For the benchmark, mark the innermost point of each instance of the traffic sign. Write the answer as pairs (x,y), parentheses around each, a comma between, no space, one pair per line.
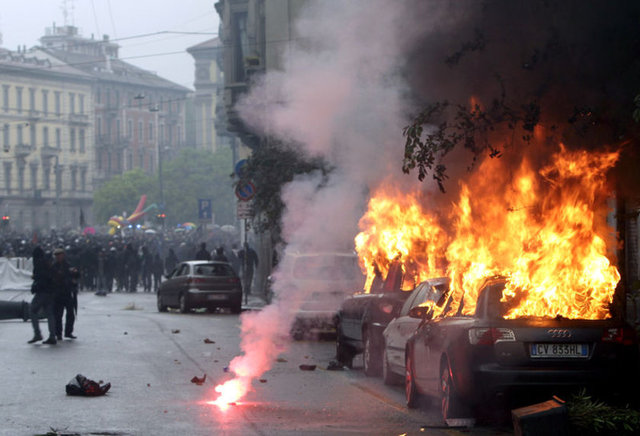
(245,191)
(204,208)
(241,168)
(243,210)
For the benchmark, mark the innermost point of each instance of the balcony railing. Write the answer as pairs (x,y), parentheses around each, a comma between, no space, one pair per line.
(23,150)
(79,118)
(48,151)
(112,141)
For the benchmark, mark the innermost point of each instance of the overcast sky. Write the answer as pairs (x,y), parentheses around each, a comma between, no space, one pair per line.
(23,22)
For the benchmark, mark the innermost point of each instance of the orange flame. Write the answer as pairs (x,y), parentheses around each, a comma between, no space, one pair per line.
(230,392)
(397,227)
(544,229)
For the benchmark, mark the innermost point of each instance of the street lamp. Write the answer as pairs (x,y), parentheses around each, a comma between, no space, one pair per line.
(155,109)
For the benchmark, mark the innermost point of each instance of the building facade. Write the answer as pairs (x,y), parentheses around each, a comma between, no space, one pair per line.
(47,141)
(139,117)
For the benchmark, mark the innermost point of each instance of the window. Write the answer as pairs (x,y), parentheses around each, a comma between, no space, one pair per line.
(58,138)
(129,129)
(74,179)
(72,139)
(98,96)
(46,182)
(32,134)
(34,176)
(5,136)
(72,103)
(81,101)
(32,99)
(19,99)
(7,176)
(5,98)
(21,178)
(83,179)
(150,131)
(81,137)
(99,126)
(140,132)
(118,133)
(20,135)
(45,102)
(58,179)
(45,136)
(58,102)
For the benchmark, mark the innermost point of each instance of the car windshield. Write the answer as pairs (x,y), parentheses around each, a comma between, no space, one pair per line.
(326,267)
(213,270)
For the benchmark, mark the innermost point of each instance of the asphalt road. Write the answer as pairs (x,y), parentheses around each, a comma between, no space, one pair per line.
(150,358)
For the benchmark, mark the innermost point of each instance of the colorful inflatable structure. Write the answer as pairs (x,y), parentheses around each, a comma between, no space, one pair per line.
(116,222)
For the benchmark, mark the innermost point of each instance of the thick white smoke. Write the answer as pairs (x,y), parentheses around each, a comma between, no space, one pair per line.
(339,97)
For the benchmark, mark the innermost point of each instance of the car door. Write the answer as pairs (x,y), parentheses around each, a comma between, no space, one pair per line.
(178,283)
(401,328)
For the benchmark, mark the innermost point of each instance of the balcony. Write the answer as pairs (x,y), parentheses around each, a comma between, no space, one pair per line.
(170,117)
(23,150)
(48,151)
(79,119)
(34,115)
(112,141)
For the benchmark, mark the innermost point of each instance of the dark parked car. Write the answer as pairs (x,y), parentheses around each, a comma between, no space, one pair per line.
(464,360)
(363,317)
(201,284)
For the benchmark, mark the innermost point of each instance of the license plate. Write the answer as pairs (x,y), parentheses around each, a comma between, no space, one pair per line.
(216,297)
(579,351)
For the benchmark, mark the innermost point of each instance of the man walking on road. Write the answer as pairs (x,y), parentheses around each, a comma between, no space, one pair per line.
(65,297)
(43,297)
(248,261)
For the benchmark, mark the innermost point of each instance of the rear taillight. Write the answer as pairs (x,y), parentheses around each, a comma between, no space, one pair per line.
(234,280)
(386,308)
(195,281)
(490,336)
(618,335)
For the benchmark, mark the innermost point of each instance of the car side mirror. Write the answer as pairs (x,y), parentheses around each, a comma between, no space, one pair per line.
(424,313)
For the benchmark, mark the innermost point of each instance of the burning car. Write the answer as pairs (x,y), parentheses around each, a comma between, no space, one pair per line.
(464,359)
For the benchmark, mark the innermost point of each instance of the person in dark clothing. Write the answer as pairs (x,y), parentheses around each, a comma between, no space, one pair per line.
(220,256)
(64,282)
(132,268)
(233,258)
(156,270)
(170,262)
(109,268)
(248,260)
(43,297)
(202,253)
(147,268)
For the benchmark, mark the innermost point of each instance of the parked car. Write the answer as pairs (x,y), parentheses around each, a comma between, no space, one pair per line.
(200,284)
(399,330)
(321,280)
(465,360)
(363,317)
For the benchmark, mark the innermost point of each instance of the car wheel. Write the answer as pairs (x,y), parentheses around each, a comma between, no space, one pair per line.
(410,389)
(161,306)
(184,306)
(236,308)
(370,355)
(344,355)
(388,377)
(450,405)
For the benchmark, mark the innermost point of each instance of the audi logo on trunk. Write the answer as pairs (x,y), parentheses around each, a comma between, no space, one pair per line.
(559,333)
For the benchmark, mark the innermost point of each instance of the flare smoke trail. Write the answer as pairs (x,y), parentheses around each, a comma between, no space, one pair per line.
(340,98)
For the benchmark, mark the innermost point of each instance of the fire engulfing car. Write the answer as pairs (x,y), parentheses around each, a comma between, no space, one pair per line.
(397,333)
(465,360)
(363,317)
(201,284)
(318,281)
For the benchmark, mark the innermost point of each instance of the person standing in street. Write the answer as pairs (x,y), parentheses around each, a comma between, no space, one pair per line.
(43,297)
(248,261)
(64,293)
(170,262)
(202,253)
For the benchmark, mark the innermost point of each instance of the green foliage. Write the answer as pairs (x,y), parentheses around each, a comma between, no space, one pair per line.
(193,174)
(442,126)
(270,167)
(588,416)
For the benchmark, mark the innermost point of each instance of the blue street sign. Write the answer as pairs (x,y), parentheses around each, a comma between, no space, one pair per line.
(245,191)
(241,168)
(204,208)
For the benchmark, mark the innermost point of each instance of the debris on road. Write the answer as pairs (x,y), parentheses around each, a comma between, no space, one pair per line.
(82,386)
(263,380)
(225,369)
(281,359)
(175,331)
(335,366)
(209,341)
(199,381)
(307,367)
